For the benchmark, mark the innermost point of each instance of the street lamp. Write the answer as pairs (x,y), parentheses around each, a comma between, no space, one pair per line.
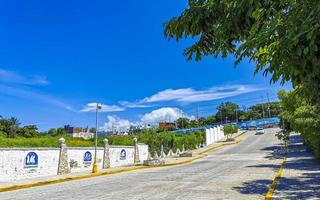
(95,165)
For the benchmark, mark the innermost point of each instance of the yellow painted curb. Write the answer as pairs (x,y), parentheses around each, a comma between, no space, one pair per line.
(41,183)
(275,181)
(115,171)
(244,132)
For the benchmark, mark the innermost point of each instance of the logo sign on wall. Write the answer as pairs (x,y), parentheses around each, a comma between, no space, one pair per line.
(87,158)
(123,154)
(31,160)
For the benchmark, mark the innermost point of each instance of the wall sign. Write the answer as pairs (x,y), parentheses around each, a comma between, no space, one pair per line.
(87,158)
(31,160)
(123,154)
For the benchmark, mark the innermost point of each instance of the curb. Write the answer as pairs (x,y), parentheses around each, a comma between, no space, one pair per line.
(274,183)
(41,183)
(116,171)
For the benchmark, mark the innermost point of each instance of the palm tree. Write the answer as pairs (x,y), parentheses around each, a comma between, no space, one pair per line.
(12,126)
(14,122)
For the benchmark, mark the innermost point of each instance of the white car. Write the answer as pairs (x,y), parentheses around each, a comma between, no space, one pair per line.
(260,130)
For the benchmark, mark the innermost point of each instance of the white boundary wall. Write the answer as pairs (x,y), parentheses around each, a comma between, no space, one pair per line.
(13,167)
(12,163)
(214,135)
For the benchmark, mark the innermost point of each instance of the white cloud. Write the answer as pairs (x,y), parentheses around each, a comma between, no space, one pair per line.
(13,77)
(167,114)
(116,123)
(104,108)
(152,118)
(128,104)
(170,94)
(190,95)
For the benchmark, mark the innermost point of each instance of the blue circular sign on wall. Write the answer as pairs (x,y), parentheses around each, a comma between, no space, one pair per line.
(87,158)
(123,154)
(31,160)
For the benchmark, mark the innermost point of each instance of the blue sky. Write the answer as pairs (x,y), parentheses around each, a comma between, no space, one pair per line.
(57,57)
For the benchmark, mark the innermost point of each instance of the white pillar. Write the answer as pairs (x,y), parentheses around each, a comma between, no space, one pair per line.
(207,136)
(215,134)
(212,136)
(221,133)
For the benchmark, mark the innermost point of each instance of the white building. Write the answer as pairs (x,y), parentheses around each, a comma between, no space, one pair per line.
(84,135)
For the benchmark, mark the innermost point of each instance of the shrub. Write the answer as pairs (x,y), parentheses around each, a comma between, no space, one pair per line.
(169,140)
(229,130)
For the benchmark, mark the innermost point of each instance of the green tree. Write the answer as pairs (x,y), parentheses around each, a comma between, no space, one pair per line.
(281,37)
(61,131)
(227,111)
(28,131)
(229,130)
(182,122)
(92,130)
(300,116)
(210,120)
(2,127)
(52,132)
(57,132)
(12,127)
(202,121)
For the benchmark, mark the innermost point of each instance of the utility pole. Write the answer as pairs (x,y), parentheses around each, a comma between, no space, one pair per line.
(236,115)
(95,165)
(262,107)
(197,112)
(269,108)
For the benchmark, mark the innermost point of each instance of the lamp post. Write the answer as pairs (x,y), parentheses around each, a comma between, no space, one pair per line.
(95,165)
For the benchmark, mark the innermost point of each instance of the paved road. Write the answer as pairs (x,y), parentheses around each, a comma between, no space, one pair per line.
(234,172)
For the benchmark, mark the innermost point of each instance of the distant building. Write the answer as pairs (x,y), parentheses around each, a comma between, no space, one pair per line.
(139,128)
(167,126)
(77,132)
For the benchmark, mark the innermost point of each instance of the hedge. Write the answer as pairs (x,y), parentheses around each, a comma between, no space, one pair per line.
(168,139)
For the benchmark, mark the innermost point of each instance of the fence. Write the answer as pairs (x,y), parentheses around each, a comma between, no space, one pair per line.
(23,163)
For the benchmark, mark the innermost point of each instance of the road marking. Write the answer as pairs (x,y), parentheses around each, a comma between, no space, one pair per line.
(275,181)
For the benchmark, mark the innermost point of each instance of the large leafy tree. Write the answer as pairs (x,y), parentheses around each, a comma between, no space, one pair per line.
(28,131)
(227,111)
(300,116)
(12,127)
(183,122)
(282,37)
(273,109)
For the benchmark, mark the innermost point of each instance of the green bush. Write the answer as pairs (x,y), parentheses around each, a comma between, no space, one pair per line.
(45,141)
(120,140)
(169,141)
(229,130)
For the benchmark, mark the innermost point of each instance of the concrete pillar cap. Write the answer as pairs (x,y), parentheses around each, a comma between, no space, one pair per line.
(105,140)
(62,140)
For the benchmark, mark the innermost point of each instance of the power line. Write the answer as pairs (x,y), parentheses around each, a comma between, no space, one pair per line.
(262,105)
(251,100)
(213,106)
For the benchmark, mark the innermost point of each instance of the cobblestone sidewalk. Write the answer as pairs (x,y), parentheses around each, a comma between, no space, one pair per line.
(301,176)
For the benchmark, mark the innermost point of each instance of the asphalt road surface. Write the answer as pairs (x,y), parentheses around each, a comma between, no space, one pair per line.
(234,172)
